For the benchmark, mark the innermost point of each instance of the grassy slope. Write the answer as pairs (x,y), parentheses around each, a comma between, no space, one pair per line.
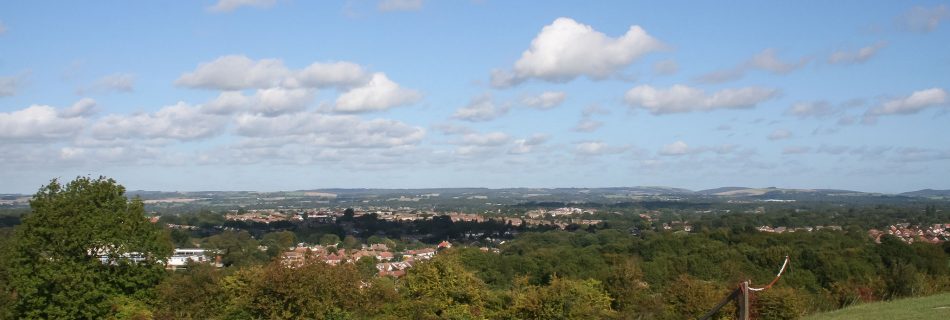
(932,307)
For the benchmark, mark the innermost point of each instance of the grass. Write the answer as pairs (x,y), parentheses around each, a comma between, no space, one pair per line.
(930,307)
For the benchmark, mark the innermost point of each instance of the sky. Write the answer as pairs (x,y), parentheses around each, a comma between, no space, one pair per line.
(269,95)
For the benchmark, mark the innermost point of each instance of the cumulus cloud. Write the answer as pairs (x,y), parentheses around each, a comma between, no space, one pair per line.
(340,74)
(591,148)
(859,56)
(566,49)
(399,5)
(452,129)
(681,98)
(588,125)
(923,19)
(594,109)
(227,102)
(39,123)
(231,5)
(545,100)
(85,107)
(817,109)
(235,72)
(527,145)
(378,94)
(680,148)
(117,82)
(481,108)
(485,139)
(276,101)
(677,148)
(178,122)
(270,102)
(767,60)
(917,101)
(341,131)
(780,134)
(666,67)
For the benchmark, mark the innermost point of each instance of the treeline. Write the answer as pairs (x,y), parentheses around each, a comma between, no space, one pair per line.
(85,251)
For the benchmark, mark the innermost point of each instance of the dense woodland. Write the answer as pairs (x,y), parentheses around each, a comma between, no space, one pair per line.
(623,268)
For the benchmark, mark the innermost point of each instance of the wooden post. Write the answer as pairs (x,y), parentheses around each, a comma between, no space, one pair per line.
(744,301)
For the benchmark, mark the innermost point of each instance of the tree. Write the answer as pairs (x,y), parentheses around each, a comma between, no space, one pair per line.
(236,248)
(564,299)
(329,239)
(442,287)
(82,247)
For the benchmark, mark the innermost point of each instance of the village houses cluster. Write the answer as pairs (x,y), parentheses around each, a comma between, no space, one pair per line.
(935,233)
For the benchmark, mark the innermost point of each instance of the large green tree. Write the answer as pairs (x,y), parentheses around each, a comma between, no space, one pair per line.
(83,246)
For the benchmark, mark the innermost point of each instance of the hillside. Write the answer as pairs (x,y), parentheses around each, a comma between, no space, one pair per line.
(927,193)
(932,307)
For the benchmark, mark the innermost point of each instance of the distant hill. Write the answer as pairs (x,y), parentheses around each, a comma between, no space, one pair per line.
(717,191)
(927,193)
(932,307)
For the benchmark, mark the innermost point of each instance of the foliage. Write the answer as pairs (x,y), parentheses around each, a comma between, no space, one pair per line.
(779,303)
(442,287)
(195,293)
(563,299)
(55,262)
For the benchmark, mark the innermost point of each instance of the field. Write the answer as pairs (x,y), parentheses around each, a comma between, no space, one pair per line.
(932,307)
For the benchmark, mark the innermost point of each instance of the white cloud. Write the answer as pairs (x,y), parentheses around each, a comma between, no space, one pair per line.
(666,67)
(270,102)
(527,145)
(399,5)
(566,49)
(481,108)
(228,102)
(486,139)
(179,122)
(452,129)
(235,72)
(681,98)
(83,108)
(276,101)
(37,123)
(780,134)
(597,148)
(817,109)
(378,94)
(588,125)
(680,148)
(917,101)
(340,74)
(923,19)
(677,148)
(767,60)
(341,131)
(231,5)
(117,82)
(545,100)
(859,56)
(594,109)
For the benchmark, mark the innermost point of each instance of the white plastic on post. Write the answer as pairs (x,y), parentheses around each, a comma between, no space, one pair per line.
(779,275)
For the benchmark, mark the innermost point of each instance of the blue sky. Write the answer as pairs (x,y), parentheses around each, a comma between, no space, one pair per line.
(285,95)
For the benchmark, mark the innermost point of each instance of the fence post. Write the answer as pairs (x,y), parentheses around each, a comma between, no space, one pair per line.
(744,302)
